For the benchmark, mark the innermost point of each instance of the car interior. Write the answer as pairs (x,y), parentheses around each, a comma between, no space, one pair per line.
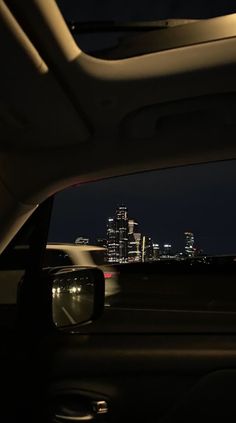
(61,111)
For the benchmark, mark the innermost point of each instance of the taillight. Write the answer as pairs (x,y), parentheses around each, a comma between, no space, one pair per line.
(108,275)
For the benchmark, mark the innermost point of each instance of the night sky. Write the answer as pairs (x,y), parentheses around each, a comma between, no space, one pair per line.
(166,203)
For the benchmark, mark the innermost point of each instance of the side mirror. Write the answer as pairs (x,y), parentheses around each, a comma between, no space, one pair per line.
(77,295)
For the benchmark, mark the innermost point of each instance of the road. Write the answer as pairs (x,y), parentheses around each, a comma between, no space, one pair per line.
(71,308)
(149,299)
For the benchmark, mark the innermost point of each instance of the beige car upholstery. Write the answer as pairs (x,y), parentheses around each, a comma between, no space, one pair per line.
(66,117)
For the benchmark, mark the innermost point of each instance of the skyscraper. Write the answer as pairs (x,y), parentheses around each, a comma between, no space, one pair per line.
(122,232)
(134,242)
(156,252)
(189,244)
(112,242)
(167,250)
(147,249)
(148,256)
(117,236)
(132,226)
(101,242)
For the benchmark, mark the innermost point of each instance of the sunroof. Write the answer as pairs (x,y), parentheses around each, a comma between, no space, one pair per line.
(139,10)
(97,12)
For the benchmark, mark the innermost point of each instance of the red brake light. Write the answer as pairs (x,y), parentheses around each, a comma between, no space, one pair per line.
(107,275)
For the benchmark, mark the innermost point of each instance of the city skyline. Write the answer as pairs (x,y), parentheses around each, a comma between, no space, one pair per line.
(165,203)
(125,243)
(97,239)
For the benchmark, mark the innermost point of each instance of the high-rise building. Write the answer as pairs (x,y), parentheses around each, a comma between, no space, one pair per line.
(138,240)
(156,252)
(101,242)
(132,226)
(147,249)
(189,244)
(122,232)
(112,241)
(134,242)
(82,241)
(117,236)
(167,250)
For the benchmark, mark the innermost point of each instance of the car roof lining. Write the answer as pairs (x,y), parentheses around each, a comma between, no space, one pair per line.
(81,108)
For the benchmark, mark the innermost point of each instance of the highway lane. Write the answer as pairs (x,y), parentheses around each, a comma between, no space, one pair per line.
(71,308)
(156,301)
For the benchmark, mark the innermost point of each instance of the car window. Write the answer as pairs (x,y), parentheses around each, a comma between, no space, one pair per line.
(168,238)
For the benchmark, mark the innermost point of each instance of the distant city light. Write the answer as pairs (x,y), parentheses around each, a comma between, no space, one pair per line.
(82,241)
(124,243)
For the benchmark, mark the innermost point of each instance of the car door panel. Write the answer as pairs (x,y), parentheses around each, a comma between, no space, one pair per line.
(144,377)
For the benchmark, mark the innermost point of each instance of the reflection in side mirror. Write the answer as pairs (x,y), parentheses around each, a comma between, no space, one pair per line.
(77,295)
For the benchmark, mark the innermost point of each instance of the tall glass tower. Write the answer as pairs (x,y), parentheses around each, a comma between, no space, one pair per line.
(121,219)
(189,244)
(117,236)
(134,242)
(147,249)
(112,242)
(156,252)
